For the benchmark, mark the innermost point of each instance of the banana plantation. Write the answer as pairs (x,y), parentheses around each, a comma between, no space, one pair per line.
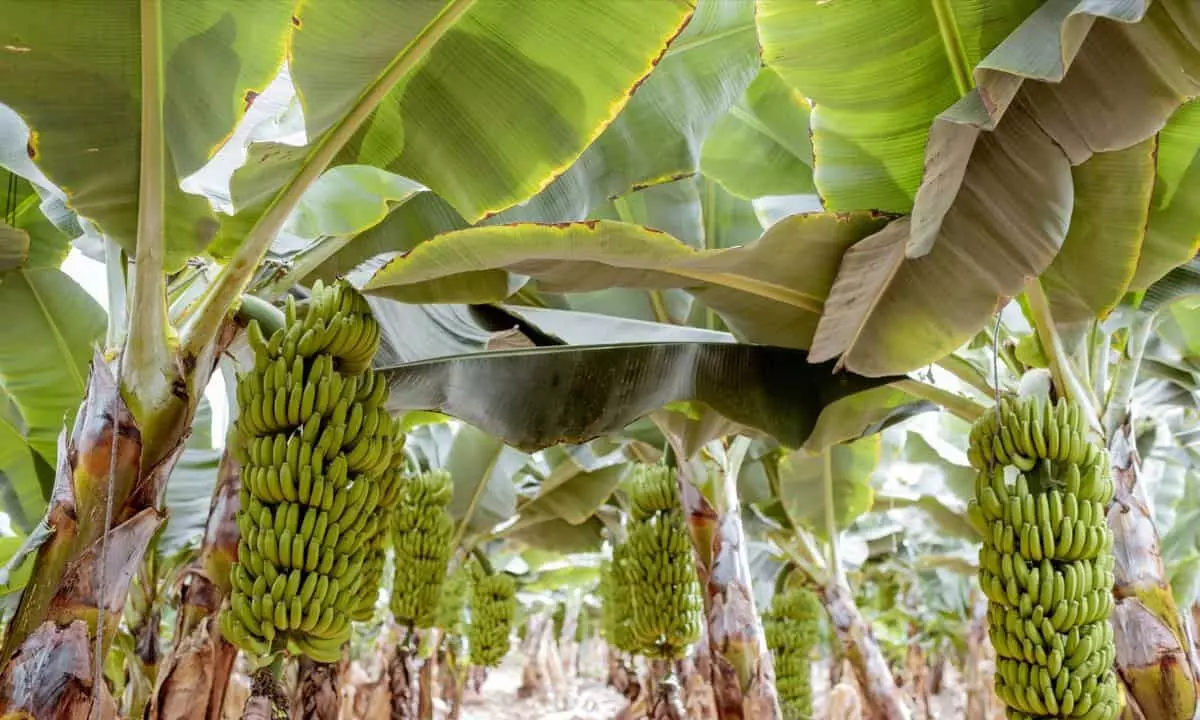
(600,359)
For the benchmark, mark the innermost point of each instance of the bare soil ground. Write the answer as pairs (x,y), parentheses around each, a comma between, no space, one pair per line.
(590,699)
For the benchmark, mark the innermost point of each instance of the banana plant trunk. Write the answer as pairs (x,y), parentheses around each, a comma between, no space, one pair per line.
(192,681)
(882,695)
(743,675)
(1153,658)
(104,510)
(402,683)
(318,695)
(101,527)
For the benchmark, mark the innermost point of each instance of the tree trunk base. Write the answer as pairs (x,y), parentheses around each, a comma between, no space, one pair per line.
(319,694)
(402,682)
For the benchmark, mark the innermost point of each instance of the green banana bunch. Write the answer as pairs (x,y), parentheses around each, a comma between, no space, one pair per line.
(792,629)
(614,606)
(390,483)
(422,533)
(493,609)
(314,441)
(654,567)
(1046,563)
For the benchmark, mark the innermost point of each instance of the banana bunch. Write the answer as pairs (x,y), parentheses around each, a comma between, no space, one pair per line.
(1046,564)
(493,610)
(614,606)
(654,567)
(422,532)
(792,629)
(390,483)
(313,440)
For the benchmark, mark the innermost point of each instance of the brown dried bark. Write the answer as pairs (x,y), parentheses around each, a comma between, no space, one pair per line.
(743,676)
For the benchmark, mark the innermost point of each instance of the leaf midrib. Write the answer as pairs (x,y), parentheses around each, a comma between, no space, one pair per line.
(956,53)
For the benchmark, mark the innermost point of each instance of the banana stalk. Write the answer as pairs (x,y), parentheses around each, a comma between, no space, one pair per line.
(195,673)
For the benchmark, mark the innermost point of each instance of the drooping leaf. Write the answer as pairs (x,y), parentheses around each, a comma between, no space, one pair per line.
(575,498)
(86,55)
(947,519)
(515,97)
(46,344)
(581,328)
(864,413)
(561,536)
(1173,228)
(536,398)
(481,468)
(761,146)
(996,195)
(809,482)
(762,299)
(1112,200)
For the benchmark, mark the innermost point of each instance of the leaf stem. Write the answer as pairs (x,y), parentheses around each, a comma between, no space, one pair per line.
(233,279)
(146,367)
(963,407)
(1065,379)
(1127,372)
(831,528)
(114,280)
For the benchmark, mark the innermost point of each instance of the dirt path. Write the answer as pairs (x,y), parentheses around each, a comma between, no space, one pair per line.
(591,699)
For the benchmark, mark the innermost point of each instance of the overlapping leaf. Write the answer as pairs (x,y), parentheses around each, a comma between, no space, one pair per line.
(72,70)
(515,97)
(759,297)
(532,399)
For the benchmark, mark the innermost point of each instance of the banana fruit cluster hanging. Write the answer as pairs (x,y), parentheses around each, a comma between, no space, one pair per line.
(422,532)
(654,567)
(792,629)
(614,610)
(1046,562)
(315,444)
(493,610)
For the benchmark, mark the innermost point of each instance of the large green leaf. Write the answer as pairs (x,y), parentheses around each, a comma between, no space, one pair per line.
(484,105)
(759,297)
(533,399)
(72,70)
(46,344)
(761,146)
(833,484)
(481,468)
(658,136)
(1112,201)
(14,247)
(655,138)
(1173,228)
(879,73)
(25,476)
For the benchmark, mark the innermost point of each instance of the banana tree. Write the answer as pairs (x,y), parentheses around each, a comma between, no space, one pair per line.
(156,111)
